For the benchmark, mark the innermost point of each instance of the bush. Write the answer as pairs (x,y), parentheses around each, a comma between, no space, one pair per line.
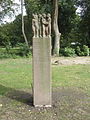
(85,50)
(5,55)
(20,51)
(78,51)
(24,50)
(69,52)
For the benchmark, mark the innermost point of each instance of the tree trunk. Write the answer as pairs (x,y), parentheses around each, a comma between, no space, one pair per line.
(55,29)
(23,31)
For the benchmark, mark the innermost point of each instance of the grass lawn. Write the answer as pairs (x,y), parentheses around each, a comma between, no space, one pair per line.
(72,76)
(17,74)
(71,92)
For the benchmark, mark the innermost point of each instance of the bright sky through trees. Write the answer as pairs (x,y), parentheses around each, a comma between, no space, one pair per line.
(17,9)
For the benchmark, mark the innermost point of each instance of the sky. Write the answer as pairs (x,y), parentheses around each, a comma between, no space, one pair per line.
(78,10)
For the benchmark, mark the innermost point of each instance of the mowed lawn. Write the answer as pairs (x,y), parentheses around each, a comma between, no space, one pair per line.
(70,93)
(17,74)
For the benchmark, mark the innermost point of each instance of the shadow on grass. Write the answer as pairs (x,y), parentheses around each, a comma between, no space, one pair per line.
(17,95)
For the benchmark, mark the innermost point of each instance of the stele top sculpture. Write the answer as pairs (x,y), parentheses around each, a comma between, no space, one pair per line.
(41,25)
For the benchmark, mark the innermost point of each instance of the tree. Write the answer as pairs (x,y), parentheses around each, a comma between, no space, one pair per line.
(67,15)
(11,33)
(85,20)
(41,6)
(55,28)
(23,31)
(4,36)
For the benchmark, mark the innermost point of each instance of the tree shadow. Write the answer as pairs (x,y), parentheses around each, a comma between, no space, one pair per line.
(18,95)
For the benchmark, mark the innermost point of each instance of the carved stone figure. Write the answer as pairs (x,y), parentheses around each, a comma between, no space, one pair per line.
(44,25)
(49,24)
(35,26)
(40,24)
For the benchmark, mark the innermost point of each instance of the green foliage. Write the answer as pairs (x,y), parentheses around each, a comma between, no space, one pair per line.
(75,36)
(73,27)
(7,54)
(85,20)
(4,35)
(75,51)
(82,51)
(37,6)
(17,52)
(68,52)
(24,50)
(11,33)
(78,51)
(67,15)
(4,55)
(85,50)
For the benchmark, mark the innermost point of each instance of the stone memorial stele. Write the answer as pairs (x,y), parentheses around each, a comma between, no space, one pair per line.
(41,27)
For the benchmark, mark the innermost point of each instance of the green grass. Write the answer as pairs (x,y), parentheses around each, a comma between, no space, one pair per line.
(77,76)
(17,74)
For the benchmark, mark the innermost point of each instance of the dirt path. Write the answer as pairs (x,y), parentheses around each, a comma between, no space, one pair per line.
(55,60)
(70,60)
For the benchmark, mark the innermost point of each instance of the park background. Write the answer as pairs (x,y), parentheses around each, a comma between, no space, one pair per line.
(70,80)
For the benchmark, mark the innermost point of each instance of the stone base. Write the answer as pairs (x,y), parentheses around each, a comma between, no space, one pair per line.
(46,106)
(42,72)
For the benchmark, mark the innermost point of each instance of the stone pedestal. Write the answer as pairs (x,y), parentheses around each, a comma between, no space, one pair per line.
(42,72)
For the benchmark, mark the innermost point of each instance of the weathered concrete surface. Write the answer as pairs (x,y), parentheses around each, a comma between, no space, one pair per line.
(42,72)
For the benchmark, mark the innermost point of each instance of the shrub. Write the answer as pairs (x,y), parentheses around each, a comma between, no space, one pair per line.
(24,50)
(5,55)
(78,51)
(69,52)
(85,50)
(20,51)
